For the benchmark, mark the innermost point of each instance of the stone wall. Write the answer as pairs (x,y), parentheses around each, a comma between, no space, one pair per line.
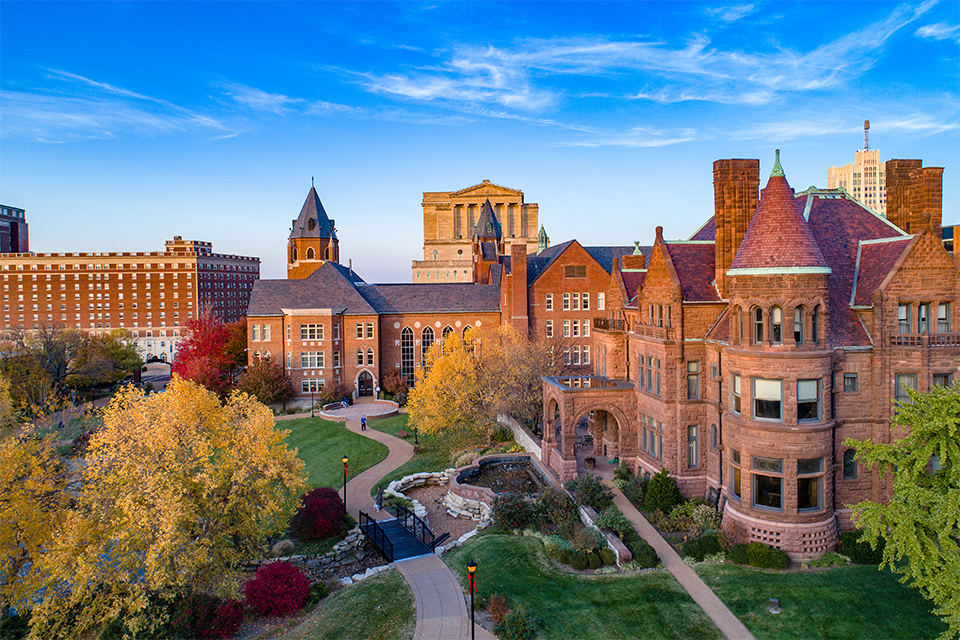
(524,439)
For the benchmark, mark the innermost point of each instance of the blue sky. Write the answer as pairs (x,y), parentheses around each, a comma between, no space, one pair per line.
(123,124)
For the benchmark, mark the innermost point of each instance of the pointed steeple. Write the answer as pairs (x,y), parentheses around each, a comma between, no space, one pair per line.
(778,239)
(543,242)
(313,221)
(487,226)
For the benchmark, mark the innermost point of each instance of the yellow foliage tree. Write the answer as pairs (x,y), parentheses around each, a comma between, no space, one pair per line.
(32,499)
(176,490)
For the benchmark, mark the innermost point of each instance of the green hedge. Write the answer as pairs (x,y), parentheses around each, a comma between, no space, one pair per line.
(706,545)
(859,550)
(757,554)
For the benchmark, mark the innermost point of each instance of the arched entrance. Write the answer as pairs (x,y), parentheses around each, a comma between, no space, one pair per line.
(365,384)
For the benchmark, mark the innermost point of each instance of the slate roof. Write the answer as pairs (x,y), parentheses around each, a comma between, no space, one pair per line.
(433,298)
(778,235)
(707,232)
(489,251)
(694,263)
(720,331)
(331,286)
(313,210)
(605,255)
(632,281)
(538,263)
(487,220)
(874,261)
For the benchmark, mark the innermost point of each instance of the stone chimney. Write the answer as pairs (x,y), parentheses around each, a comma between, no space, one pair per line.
(736,194)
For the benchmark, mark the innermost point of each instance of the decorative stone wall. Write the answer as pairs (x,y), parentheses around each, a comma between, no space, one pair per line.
(623,554)
(347,551)
(521,436)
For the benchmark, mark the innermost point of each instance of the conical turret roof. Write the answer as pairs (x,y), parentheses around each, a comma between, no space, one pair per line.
(778,239)
(487,226)
(313,212)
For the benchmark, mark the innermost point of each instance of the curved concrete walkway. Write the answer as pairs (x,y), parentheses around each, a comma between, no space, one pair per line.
(441,607)
(728,623)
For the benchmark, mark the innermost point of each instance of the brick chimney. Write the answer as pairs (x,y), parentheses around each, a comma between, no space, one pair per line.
(736,193)
(914,196)
(518,288)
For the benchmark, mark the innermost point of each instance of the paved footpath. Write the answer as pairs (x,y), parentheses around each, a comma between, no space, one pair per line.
(441,608)
(728,623)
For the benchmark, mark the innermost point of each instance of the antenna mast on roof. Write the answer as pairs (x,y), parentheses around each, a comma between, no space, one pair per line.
(866,135)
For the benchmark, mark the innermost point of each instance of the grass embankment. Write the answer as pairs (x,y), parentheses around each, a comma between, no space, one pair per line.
(321,445)
(645,605)
(848,602)
(379,608)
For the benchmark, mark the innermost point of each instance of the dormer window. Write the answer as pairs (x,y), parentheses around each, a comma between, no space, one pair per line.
(311,224)
(489,228)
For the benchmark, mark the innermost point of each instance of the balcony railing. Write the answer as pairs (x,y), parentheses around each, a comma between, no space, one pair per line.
(935,340)
(657,333)
(610,324)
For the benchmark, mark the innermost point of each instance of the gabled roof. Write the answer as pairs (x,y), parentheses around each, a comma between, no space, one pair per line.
(707,232)
(331,286)
(720,331)
(632,281)
(693,262)
(433,298)
(778,239)
(312,210)
(487,225)
(486,187)
(537,263)
(875,260)
(606,255)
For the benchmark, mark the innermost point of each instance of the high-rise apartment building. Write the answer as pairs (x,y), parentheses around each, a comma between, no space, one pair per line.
(151,295)
(864,178)
(13,230)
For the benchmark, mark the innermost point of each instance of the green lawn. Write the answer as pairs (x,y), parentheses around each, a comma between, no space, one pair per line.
(847,602)
(321,445)
(379,608)
(645,605)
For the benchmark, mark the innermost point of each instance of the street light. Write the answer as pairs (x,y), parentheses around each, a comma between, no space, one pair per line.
(415,441)
(471,569)
(345,460)
(312,405)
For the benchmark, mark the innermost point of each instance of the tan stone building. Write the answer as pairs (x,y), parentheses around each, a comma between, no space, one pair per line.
(864,178)
(150,295)
(450,222)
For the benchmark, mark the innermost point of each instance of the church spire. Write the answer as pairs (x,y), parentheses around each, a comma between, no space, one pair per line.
(542,240)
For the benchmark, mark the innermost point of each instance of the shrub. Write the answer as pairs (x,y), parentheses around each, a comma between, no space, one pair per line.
(517,625)
(594,559)
(207,616)
(318,591)
(613,519)
(513,511)
(662,492)
(14,627)
(666,523)
(706,517)
(636,489)
(320,514)
(761,555)
(608,556)
(591,491)
(859,550)
(644,556)
(706,545)
(554,506)
(579,560)
(560,542)
(498,608)
(829,559)
(277,589)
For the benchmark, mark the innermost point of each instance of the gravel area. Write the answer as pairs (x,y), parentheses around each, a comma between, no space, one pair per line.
(431,497)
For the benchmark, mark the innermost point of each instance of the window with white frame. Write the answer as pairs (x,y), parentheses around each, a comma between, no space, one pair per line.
(586,328)
(586,354)
(549,328)
(903,318)
(576,354)
(566,355)
(767,399)
(311,359)
(369,330)
(359,331)
(585,301)
(808,400)
(576,328)
(265,332)
(566,302)
(776,325)
(336,358)
(576,301)
(601,301)
(798,326)
(369,357)
(359,357)
(311,386)
(566,329)
(549,302)
(943,317)
(255,332)
(311,332)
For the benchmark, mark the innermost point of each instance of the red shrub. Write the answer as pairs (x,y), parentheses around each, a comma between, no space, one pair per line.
(277,589)
(208,616)
(319,516)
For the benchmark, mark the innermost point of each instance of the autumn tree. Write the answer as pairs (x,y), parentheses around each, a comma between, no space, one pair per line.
(32,499)
(921,524)
(267,382)
(104,359)
(203,356)
(177,489)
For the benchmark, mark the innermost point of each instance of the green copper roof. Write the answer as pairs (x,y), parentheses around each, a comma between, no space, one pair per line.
(636,248)
(777,169)
(541,240)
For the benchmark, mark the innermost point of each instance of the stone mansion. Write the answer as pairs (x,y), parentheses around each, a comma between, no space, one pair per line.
(739,359)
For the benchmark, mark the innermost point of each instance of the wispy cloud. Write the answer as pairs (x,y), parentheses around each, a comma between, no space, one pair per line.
(260,100)
(96,111)
(731,14)
(636,137)
(939,31)
(809,126)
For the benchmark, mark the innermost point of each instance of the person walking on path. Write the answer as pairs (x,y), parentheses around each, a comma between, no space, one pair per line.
(378,503)
(363,423)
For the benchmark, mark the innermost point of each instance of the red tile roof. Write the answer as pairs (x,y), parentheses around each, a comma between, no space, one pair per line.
(694,262)
(632,280)
(720,331)
(874,262)
(778,236)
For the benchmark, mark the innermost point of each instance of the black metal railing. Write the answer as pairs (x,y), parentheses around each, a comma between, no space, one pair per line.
(415,525)
(375,534)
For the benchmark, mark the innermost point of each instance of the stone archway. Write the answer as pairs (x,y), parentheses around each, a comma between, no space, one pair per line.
(365,384)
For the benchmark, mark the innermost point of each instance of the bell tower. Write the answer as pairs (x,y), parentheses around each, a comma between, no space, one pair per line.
(313,239)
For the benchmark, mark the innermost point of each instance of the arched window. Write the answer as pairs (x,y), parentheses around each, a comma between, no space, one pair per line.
(406,355)
(798,326)
(737,322)
(310,253)
(294,259)
(757,325)
(326,253)
(256,356)
(776,325)
(426,341)
(468,338)
(849,464)
(815,325)
(266,355)
(370,357)
(311,225)
(359,357)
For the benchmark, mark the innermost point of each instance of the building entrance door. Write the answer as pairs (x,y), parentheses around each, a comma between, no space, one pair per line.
(365,384)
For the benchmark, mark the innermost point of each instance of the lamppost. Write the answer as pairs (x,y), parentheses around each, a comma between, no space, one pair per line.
(312,404)
(471,569)
(415,441)
(345,460)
